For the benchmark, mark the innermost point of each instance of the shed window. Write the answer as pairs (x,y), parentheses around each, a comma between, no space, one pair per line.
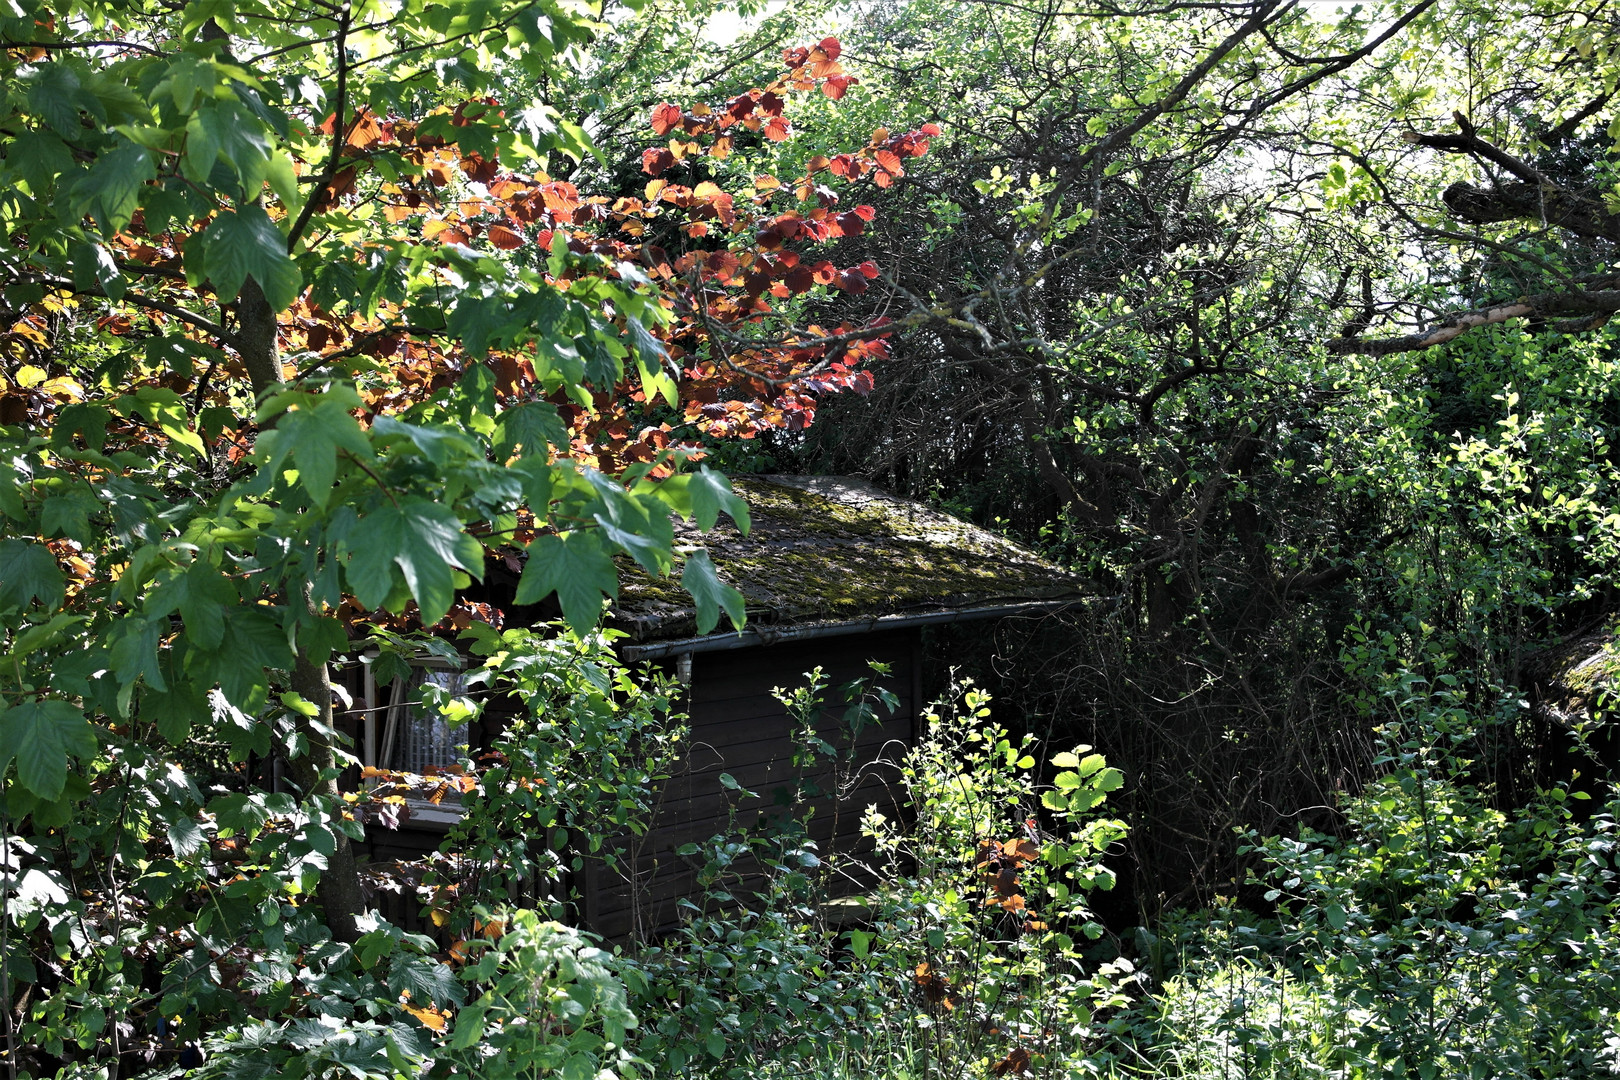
(419,736)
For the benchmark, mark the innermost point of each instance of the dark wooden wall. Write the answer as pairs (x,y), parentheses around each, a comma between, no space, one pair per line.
(741,730)
(738,728)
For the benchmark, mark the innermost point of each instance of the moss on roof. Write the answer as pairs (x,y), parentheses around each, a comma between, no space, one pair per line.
(836,549)
(1576,675)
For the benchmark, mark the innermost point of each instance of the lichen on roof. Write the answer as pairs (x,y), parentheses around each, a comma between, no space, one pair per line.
(837,549)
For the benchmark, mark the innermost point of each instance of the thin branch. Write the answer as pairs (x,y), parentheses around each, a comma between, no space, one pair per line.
(201,322)
(340,132)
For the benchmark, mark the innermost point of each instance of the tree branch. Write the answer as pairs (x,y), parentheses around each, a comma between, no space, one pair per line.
(1591,309)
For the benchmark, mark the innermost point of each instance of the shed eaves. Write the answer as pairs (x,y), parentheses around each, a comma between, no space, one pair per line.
(833,550)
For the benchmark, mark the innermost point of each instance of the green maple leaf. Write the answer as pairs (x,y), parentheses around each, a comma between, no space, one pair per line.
(28,572)
(245,243)
(426,542)
(111,191)
(578,568)
(40,736)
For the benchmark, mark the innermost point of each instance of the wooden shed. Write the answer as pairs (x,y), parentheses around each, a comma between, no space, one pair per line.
(837,574)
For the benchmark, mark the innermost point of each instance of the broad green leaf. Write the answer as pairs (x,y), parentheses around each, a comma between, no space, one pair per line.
(578,568)
(94,272)
(245,243)
(110,192)
(534,426)
(711,493)
(711,594)
(167,410)
(40,736)
(28,572)
(54,92)
(426,541)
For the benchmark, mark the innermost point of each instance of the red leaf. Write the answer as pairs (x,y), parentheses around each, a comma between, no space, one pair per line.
(837,85)
(868,269)
(852,281)
(776,129)
(890,161)
(505,238)
(866,212)
(665,118)
(929,129)
(799,279)
(832,47)
(655,160)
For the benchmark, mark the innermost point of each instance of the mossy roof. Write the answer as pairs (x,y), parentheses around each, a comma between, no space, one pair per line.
(833,549)
(1569,677)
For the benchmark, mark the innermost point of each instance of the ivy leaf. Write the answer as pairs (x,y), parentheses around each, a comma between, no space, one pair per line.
(711,594)
(245,243)
(28,572)
(577,567)
(426,542)
(711,493)
(40,736)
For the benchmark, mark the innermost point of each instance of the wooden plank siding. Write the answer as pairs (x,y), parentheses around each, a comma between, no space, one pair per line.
(740,730)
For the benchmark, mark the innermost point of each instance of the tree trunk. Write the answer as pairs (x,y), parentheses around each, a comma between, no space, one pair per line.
(340,892)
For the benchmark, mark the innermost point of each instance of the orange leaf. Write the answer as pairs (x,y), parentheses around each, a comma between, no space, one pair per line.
(430,1018)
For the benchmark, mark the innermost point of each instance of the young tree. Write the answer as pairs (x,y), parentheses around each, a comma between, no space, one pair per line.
(287,337)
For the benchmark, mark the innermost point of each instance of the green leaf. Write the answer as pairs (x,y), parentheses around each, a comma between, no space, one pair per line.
(201,594)
(1336,916)
(426,541)
(94,272)
(578,568)
(1054,800)
(711,594)
(54,93)
(135,651)
(245,243)
(38,157)
(1066,760)
(313,434)
(185,837)
(37,637)
(167,410)
(711,493)
(111,191)
(28,572)
(533,426)
(40,736)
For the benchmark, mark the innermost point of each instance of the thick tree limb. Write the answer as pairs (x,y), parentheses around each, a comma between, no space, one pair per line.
(1536,202)
(1584,310)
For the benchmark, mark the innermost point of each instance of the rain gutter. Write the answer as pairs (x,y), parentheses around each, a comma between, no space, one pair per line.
(751,636)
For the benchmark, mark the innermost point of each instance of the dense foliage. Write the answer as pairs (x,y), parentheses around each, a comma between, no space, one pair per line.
(1287,327)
